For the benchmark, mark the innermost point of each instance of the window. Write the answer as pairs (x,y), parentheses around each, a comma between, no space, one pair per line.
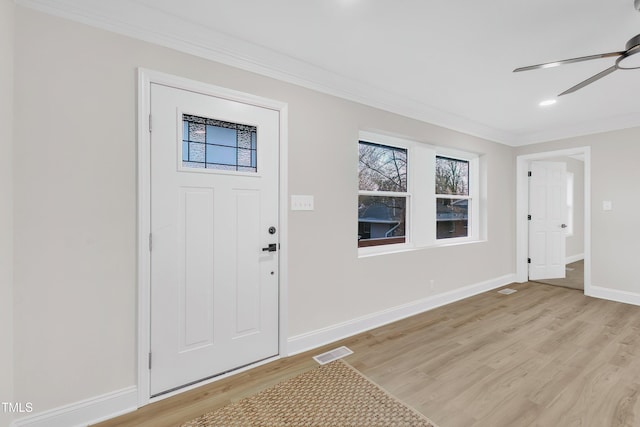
(415,195)
(215,144)
(383,197)
(452,197)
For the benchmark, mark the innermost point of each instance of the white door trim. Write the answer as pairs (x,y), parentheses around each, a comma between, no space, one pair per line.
(145,79)
(522,204)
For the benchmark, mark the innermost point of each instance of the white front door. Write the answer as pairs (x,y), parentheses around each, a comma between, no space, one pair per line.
(214,215)
(548,211)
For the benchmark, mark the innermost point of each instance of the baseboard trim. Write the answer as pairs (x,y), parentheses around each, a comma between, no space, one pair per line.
(614,295)
(574,258)
(310,340)
(85,412)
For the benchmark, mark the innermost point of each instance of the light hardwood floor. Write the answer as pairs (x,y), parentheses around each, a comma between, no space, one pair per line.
(574,277)
(544,356)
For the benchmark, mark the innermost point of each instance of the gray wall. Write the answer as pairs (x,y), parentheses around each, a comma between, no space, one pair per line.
(615,242)
(7,9)
(75,207)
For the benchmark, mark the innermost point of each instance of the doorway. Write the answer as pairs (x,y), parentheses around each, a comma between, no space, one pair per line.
(577,265)
(211,233)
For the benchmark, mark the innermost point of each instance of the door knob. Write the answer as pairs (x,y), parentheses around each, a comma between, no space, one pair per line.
(563,226)
(271,248)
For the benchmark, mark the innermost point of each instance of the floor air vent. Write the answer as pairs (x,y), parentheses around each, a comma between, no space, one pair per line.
(332,355)
(507,291)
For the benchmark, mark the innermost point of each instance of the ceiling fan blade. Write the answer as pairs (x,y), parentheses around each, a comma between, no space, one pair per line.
(590,80)
(568,61)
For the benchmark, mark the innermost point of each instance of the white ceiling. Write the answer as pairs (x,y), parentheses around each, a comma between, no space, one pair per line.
(446,62)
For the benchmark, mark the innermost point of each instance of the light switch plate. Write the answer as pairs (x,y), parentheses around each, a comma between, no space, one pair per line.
(606,205)
(301,203)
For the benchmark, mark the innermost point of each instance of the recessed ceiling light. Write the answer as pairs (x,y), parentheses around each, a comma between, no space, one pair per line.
(548,102)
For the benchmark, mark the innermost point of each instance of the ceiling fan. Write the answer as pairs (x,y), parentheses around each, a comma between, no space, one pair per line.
(627,59)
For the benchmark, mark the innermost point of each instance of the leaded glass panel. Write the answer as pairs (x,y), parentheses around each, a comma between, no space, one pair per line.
(216,144)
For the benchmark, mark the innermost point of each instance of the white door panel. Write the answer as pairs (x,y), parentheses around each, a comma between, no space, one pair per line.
(214,291)
(195,252)
(548,210)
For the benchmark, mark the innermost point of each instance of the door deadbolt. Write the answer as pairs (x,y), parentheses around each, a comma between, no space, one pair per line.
(272,230)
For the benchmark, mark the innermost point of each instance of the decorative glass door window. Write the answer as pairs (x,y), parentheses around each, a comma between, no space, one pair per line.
(216,144)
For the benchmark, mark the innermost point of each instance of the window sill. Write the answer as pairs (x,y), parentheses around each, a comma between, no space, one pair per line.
(395,249)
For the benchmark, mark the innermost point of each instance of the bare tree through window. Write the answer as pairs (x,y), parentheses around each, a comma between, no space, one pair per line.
(452,176)
(382,168)
(452,197)
(381,216)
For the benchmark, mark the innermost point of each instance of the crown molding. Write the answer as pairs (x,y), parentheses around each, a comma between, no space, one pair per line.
(153,25)
(626,121)
(149,24)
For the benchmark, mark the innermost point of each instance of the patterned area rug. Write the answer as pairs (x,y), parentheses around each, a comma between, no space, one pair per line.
(332,395)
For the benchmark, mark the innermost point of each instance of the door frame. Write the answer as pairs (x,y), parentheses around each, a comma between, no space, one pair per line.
(522,208)
(145,78)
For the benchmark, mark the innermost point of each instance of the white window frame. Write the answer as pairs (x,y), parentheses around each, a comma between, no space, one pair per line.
(407,145)
(473,216)
(420,226)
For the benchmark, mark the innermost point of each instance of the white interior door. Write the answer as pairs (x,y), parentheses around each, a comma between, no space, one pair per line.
(214,210)
(548,211)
